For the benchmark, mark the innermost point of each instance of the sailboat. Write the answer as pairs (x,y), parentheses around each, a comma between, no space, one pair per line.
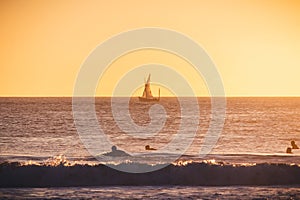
(147,94)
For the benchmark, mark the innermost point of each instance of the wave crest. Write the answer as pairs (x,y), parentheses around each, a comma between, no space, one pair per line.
(209,173)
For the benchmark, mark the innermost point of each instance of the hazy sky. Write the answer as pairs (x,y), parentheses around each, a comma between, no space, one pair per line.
(254,44)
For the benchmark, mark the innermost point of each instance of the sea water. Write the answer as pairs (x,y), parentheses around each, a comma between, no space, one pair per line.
(39,135)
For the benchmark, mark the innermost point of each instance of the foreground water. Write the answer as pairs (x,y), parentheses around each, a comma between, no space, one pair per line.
(40,147)
(150,192)
(40,128)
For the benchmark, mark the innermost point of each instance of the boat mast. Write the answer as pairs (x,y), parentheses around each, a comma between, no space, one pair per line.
(158,93)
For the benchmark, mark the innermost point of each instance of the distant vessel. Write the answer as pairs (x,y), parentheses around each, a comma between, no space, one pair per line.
(147,95)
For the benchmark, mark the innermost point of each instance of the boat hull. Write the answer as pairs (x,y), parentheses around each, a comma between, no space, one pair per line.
(148,100)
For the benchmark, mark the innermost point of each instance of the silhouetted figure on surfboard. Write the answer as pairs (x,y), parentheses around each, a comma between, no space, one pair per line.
(116,153)
(294,146)
(147,147)
(289,150)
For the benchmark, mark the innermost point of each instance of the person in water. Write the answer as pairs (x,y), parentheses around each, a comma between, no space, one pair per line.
(289,150)
(115,152)
(294,146)
(147,147)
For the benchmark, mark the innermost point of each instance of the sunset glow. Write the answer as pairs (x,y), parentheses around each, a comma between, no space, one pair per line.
(254,44)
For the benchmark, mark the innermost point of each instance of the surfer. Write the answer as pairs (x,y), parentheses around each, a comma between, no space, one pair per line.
(289,150)
(147,147)
(115,152)
(294,146)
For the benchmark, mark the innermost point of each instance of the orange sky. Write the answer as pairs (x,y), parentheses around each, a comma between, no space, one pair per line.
(254,44)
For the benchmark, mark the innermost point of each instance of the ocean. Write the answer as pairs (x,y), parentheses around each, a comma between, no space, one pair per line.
(42,155)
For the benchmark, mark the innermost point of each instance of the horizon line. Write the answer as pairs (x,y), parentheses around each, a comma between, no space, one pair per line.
(229,96)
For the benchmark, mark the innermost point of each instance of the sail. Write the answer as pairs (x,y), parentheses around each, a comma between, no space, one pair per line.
(147,91)
(147,94)
(148,80)
(144,93)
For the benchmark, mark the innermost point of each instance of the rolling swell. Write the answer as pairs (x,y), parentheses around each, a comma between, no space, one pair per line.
(192,174)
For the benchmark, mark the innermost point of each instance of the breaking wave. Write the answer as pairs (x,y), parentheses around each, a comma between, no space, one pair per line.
(59,172)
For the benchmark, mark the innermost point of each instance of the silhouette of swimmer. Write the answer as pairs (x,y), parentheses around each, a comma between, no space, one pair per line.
(294,146)
(289,150)
(147,147)
(116,153)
